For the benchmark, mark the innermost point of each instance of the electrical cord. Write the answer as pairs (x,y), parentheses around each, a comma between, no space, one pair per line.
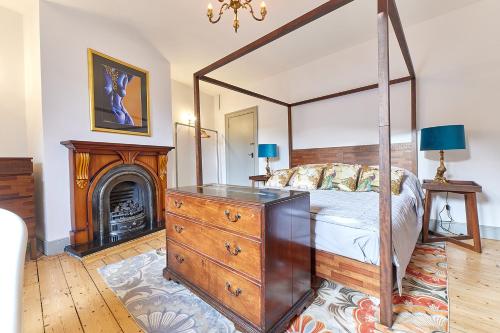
(451,220)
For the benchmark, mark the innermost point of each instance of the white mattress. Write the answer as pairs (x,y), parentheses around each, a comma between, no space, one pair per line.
(347,223)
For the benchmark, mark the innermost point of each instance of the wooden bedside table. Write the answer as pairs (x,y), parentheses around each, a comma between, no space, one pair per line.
(469,190)
(258,178)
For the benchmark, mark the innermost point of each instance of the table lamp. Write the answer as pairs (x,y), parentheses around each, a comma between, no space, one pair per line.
(442,138)
(268,151)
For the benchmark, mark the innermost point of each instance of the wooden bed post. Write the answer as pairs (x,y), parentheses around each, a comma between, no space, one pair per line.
(197,131)
(290,136)
(403,45)
(385,207)
(414,134)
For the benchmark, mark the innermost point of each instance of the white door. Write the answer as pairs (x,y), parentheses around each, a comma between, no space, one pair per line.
(241,146)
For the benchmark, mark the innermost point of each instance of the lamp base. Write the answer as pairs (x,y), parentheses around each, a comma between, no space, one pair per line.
(268,168)
(440,178)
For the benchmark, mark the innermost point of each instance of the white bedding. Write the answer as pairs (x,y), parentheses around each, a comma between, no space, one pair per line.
(347,223)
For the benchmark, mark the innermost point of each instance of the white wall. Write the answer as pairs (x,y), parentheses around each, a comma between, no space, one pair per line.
(13,138)
(21,45)
(272,127)
(65,37)
(351,119)
(457,60)
(182,109)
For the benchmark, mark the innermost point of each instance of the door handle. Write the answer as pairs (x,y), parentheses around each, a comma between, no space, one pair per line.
(251,155)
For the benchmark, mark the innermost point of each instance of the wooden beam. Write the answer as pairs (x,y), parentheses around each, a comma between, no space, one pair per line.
(350,91)
(290,136)
(197,132)
(400,35)
(414,134)
(299,22)
(241,90)
(385,209)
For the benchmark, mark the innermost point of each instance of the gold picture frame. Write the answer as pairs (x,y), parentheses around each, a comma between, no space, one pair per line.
(119,96)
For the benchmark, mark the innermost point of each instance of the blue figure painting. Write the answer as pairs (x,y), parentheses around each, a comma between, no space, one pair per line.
(115,88)
(119,96)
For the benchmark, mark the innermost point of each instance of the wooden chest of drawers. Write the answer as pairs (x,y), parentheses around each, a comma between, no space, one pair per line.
(245,251)
(17,188)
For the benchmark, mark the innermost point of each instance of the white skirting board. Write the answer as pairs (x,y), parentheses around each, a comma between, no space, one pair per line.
(487,232)
(53,247)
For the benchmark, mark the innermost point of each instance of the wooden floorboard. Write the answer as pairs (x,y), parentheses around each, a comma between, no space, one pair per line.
(474,288)
(32,307)
(62,294)
(123,317)
(129,253)
(93,311)
(59,312)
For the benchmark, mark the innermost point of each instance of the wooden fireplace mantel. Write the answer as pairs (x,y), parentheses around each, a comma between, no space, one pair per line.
(90,161)
(88,146)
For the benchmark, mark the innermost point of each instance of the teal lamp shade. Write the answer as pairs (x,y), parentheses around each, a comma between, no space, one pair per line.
(268,150)
(447,137)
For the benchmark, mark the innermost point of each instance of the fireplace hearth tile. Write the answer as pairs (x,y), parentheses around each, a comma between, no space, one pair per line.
(83,250)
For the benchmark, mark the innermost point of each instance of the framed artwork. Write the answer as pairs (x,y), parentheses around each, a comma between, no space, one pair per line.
(119,96)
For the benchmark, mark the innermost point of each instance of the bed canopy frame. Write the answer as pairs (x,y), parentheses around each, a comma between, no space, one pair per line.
(387,10)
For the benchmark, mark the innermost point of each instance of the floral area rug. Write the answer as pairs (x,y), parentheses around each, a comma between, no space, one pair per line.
(422,307)
(161,306)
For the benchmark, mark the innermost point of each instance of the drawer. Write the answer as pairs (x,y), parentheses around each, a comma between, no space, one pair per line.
(16,186)
(235,292)
(239,253)
(24,207)
(246,220)
(188,264)
(16,166)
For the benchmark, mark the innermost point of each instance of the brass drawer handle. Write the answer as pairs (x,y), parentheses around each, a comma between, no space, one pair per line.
(235,293)
(228,216)
(178,228)
(179,258)
(178,204)
(236,251)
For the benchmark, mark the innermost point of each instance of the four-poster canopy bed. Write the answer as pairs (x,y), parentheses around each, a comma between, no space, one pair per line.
(373,279)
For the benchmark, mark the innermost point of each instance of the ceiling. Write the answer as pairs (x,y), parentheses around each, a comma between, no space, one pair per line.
(181,32)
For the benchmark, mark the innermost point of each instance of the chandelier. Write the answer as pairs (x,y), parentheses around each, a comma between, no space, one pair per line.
(235,5)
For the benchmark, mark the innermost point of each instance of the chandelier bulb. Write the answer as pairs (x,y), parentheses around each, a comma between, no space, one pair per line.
(210,10)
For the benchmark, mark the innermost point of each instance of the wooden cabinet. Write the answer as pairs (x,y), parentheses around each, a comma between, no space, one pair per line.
(17,188)
(245,251)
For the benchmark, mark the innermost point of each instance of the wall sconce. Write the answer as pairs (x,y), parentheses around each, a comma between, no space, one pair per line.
(190,119)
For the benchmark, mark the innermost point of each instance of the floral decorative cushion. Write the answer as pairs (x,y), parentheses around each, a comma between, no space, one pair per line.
(369,180)
(341,176)
(322,165)
(307,177)
(280,178)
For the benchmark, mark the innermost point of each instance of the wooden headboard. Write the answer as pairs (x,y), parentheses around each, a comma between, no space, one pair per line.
(404,155)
